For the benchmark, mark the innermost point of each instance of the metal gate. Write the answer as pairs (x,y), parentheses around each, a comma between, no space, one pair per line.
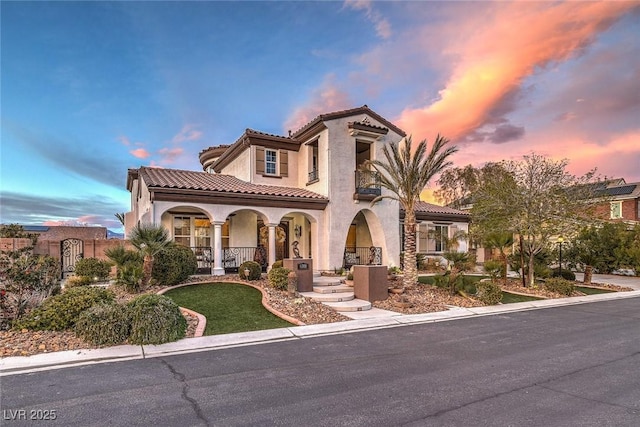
(71,250)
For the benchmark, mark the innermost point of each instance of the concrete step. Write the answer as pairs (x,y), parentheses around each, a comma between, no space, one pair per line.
(353,305)
(326,281)
(335,297)
(332,289)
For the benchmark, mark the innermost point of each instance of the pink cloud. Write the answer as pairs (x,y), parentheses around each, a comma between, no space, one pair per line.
(170,155)
(187,133)
(329,97)
(495,51)
(124,140)
(140,153)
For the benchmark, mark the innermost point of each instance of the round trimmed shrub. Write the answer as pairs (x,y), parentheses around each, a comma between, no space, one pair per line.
(564,273)
(279,278)
(93,267)
(488,292)
(75,281)
(559,285)
(255,271)
(155,319)
(277,264)
(174,265)
(62,311)
(104,324)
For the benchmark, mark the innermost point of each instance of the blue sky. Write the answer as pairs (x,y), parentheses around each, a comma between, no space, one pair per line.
(90,89)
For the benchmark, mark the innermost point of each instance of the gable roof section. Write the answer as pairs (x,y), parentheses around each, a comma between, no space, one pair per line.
(429,212)
(253,137)
(182,185)
(303,132)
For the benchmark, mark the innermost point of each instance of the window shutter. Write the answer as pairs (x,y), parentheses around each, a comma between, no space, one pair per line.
(284,163)
(259,160)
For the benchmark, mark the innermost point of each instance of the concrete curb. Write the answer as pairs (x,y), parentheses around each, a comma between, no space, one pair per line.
(62,359)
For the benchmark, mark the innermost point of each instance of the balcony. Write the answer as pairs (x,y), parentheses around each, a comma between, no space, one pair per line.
(313,176)
(367,185)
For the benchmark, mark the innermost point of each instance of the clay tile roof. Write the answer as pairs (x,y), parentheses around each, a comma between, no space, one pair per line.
(435,209)
(191,180)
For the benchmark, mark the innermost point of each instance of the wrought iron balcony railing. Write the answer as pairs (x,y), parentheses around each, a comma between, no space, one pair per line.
(368,183)
(313,175)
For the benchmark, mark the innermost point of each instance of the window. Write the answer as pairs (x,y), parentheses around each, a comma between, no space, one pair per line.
(441,236)
(192,231)
(270,162)
(182,230)
(616,210)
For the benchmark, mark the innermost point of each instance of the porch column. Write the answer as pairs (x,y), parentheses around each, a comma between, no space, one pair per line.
(272,244)
(217,249)
(417,236)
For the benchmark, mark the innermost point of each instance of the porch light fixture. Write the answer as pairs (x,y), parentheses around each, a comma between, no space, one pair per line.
(297,230)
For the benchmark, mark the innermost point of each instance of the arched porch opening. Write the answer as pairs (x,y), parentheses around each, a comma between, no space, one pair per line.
(297,227)
(365,241)
(191,226)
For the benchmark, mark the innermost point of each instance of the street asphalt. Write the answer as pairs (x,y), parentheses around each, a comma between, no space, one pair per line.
(61,359)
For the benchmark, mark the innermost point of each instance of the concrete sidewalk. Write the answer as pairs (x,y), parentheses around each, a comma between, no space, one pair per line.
(62,359)
(628,281)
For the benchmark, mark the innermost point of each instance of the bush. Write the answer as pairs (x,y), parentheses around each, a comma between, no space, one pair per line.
(92,268)
(155,319)
(104,324)
(174,265)
(493,268)
(279,278)
(255,271)
(488,292)
(565,273)
(62,311)
(75,281)
(277,264)
(561,286)
(130,276)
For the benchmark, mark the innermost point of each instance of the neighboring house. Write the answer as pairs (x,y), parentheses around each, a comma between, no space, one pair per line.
(262,193)
(623,201)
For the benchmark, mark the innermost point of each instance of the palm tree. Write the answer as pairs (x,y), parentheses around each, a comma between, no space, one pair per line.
(120,216)
(500,240)
(149,239)
(405,174)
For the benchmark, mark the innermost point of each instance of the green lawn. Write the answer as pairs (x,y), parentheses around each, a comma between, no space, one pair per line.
(228,307)
(508,298)
(592,291)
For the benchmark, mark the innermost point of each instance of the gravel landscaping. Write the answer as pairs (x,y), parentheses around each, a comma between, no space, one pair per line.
(420,299)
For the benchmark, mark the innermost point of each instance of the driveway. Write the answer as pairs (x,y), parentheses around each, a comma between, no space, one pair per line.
(628,281)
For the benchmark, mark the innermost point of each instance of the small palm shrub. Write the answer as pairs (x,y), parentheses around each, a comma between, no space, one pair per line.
(564,273)
(104,324)
(62,311)
(130,276)
(173,265)
(559,285)
(155,319)
(493,268)
(92,268)
(488,292)
(255,271)
(279,278)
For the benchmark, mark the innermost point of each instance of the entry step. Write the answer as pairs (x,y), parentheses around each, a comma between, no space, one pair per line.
(332,289)
(330,297)
(353,305)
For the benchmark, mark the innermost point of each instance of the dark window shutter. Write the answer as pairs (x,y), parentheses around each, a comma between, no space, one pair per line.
(259,160)
(284,163)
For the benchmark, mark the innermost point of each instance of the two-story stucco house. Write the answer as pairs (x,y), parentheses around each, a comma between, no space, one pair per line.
(259,195)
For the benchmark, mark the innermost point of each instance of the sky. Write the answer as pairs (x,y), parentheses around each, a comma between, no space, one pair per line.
(90,89)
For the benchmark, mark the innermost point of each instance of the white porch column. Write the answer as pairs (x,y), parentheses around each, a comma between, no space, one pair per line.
(272,245)
(217,249)
(417,237)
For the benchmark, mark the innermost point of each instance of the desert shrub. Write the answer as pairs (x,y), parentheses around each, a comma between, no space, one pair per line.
(62,311)
(559,285)
(493,268)
(174,265)
(120,256)
(92,268)
(564,273)
(349,276)
(255,271)
(104,324)
(277,264)
(75,281)
(155,319)
(488,292)
(279,278)
(130,276)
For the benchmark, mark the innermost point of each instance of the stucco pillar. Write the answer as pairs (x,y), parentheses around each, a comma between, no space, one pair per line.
(217,249)
(272,244)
